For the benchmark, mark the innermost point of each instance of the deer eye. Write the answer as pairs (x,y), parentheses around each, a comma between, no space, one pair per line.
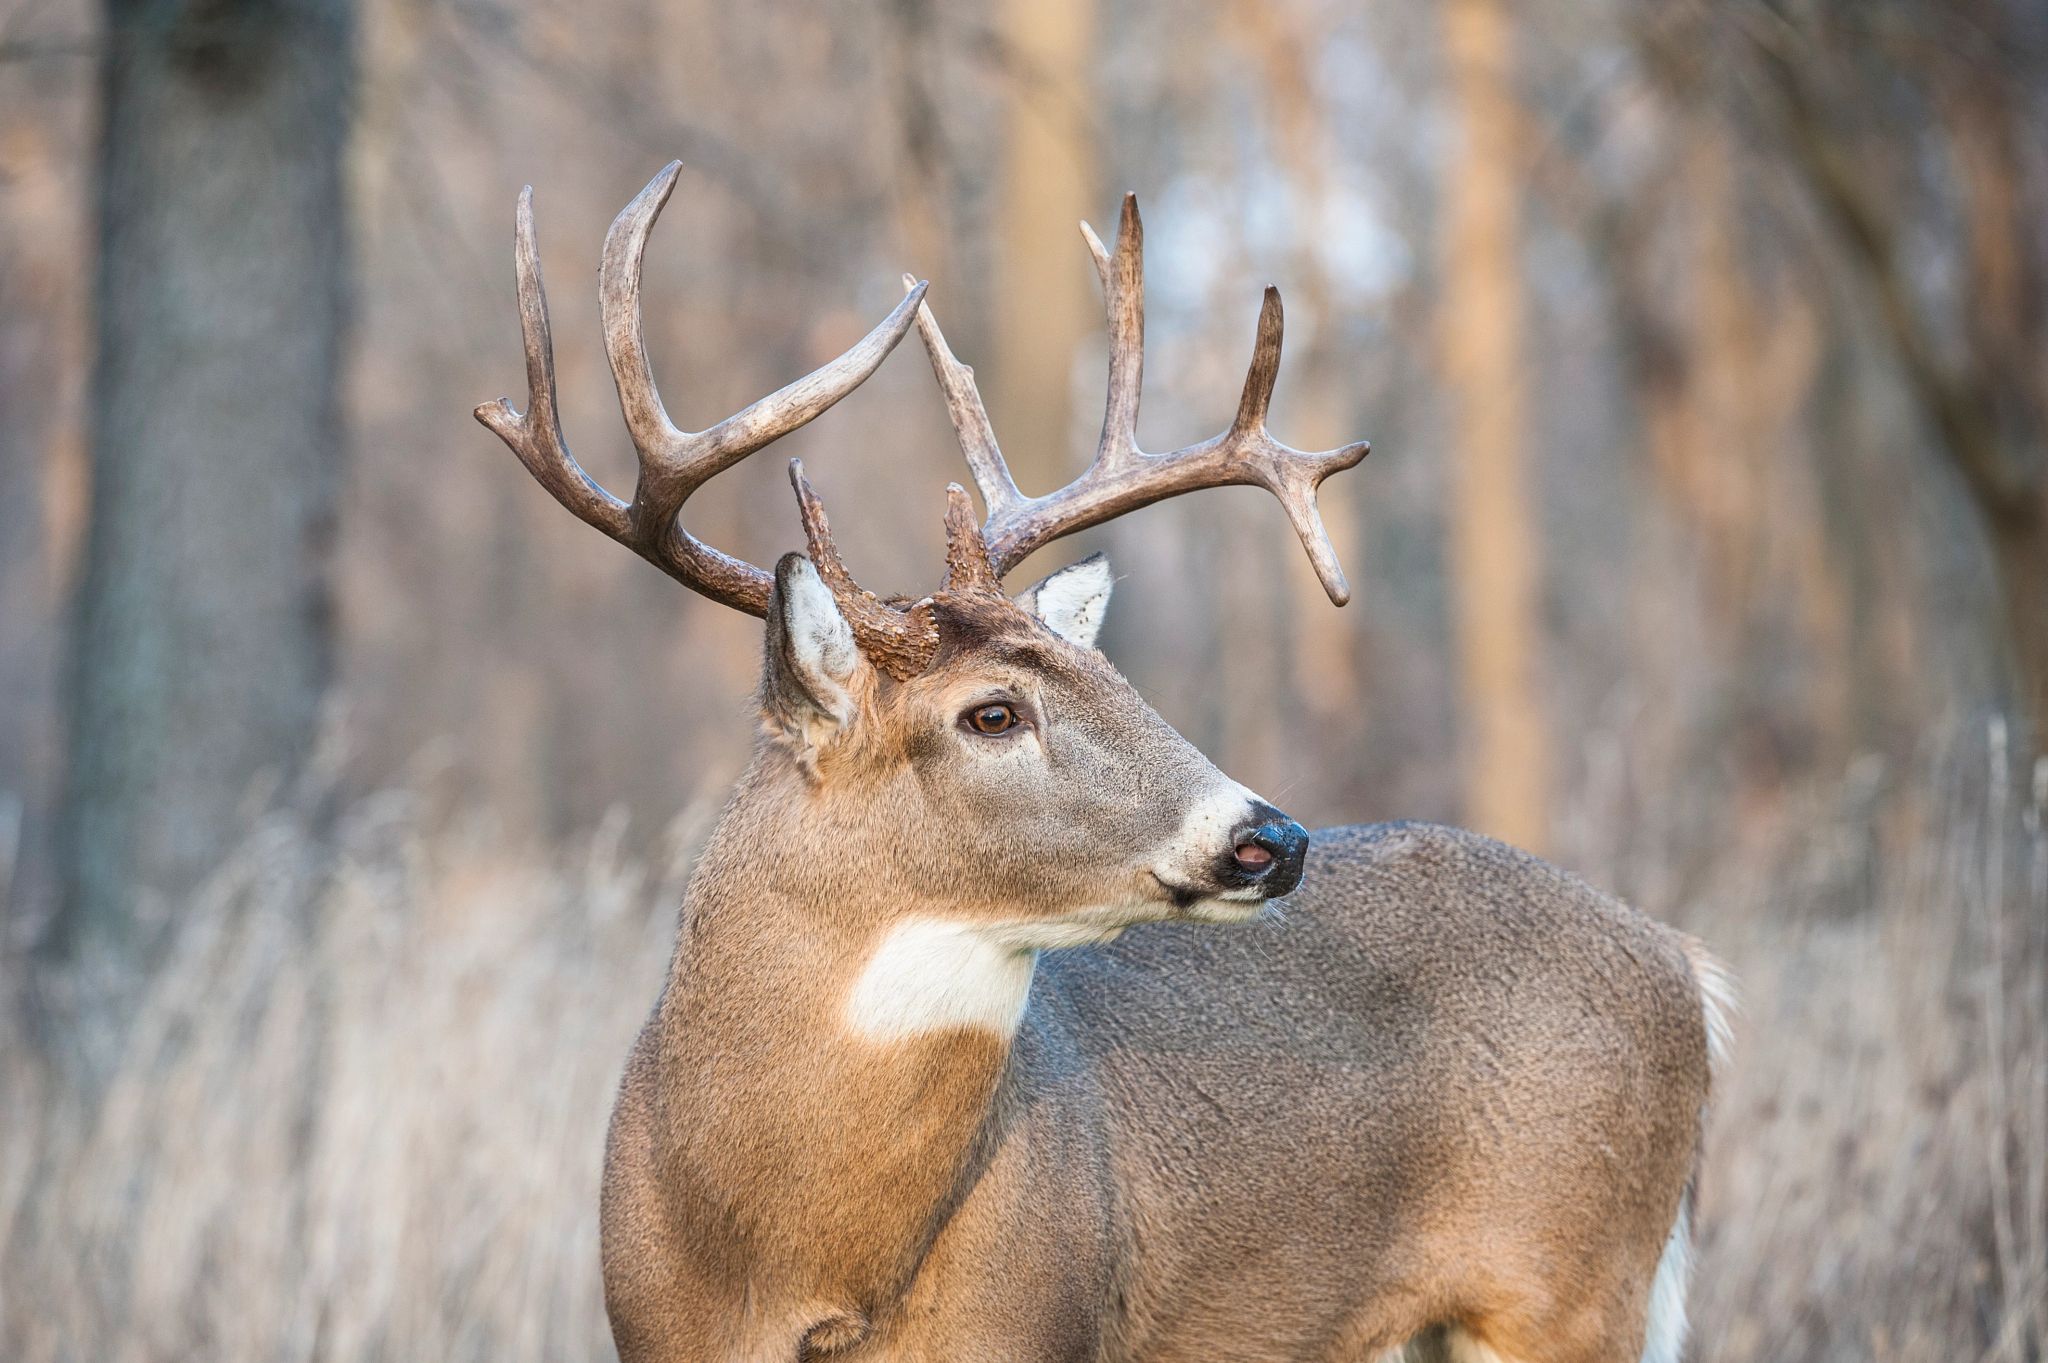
(993,718)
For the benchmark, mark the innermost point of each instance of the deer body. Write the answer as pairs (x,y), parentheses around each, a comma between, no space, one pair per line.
(981,1039)
(1414,1101)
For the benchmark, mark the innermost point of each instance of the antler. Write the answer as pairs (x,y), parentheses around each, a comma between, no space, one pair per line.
(900,640)
(1124,477)
(673,463)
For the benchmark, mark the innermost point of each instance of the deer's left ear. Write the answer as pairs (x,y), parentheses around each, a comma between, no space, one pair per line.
(814,666)
(1073,601)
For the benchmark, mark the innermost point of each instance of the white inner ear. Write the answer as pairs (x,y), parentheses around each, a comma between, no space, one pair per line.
(1073,601)
(820,641)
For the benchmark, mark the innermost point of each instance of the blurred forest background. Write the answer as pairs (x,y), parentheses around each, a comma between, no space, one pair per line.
(347,785)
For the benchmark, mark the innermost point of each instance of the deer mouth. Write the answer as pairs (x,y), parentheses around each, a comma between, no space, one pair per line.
(1212,905)
(1231,909)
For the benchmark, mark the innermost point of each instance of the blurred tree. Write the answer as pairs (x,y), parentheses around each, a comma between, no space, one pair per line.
(1977,376)
(1492,511)
(924,214)
(1323,672)
(202,629)
(1044,304)
(1911,125)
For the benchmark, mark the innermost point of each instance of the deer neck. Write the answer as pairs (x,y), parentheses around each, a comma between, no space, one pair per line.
(828,1070)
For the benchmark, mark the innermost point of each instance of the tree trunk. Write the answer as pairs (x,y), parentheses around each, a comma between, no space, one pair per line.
(1988,407)
(1045,302)
(1493,533)
(201,638)
(2019,548)
(1323,672)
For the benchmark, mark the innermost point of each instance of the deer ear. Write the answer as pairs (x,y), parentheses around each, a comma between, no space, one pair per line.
(813,663)
(1073,601)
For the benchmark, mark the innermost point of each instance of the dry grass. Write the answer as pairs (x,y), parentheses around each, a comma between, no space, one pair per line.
(1877,1179)
(362,1120)
(363,1115)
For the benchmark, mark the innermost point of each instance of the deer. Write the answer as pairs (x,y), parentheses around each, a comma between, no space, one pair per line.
(983,1038)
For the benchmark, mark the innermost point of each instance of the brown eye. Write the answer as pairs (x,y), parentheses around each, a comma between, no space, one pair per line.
(991,719)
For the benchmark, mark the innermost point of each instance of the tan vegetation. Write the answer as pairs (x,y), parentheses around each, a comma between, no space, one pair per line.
(378,1137)
(361,1115)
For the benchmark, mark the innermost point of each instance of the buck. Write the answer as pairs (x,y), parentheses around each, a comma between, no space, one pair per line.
(939,1070)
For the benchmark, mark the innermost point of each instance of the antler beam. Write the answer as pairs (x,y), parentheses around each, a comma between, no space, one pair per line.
(1123,477)
(673,463)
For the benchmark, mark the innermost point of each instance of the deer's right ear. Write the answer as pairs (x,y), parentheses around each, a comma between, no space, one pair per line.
(813,662)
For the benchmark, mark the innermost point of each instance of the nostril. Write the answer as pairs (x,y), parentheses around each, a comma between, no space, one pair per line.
(1266,845)
(1267,851)
(1270,854)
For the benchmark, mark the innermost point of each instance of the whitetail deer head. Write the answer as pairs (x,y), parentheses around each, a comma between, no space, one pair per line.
(963,757)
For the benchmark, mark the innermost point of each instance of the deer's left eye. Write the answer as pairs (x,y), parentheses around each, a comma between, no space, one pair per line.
(991,719)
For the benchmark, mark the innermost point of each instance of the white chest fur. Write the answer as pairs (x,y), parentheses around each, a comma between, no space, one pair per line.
(933,974)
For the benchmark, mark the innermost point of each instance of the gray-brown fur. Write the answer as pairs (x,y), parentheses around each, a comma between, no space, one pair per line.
(1449,1085)
(1452,1084)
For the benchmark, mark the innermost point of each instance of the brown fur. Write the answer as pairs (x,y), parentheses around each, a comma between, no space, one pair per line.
(1451,1086)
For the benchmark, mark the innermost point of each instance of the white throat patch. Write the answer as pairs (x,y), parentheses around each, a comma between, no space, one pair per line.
(935,974)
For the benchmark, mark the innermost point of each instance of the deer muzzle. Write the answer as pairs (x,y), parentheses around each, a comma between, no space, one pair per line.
(1267,852)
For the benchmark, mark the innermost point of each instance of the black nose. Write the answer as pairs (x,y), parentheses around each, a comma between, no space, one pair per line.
(1268,852)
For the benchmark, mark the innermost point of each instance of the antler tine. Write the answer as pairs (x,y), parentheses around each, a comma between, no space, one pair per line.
(535,435)
(1264,371)
(662,447)
(1289,474)
(970,418)
(673,463)
(1124,478)
(1123,300)
(967,565)
(899,641)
